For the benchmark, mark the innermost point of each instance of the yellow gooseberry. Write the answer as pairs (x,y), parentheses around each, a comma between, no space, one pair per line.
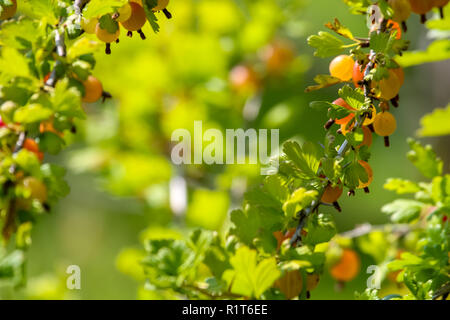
(342,67)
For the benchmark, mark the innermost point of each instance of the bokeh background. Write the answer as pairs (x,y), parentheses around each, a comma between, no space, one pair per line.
(119,169)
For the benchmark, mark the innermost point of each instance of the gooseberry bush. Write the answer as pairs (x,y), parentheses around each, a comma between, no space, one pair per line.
(280,243)
(47,67)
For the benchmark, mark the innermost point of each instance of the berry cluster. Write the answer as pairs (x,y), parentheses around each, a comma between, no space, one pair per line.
(131,16)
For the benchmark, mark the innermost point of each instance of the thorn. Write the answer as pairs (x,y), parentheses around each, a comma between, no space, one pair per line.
(366,190)
(130,34)
(141,34)
(108,48)
(328,125)
(117,40)
(167,14)
(404,26)
(351,193)
(386,142)
(337,206)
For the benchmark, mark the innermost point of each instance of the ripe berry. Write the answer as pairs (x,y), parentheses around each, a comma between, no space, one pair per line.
(93,89)
(348,266)
(105,36)
(2,124)
(137,18)
(400,75)
(369,172)
(9,11)
(290,284)
(37,189)
(440,4)
(312,281)
(332,194)
(32,146)
(89,25)
(388,88)
(421,7)
(358,75)
(342,67)
(402,10)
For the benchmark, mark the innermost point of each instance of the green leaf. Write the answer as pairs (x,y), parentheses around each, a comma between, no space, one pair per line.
(51,143)
(306,160)
(12,267)
(249,277)
(299,200)
(321,228)
(108,23)
(98,8)
(66,100)
(401,186)
(326,44)
(403,210)
(437,51)
(40,10)
(54,180)
(32,113)
(354,97)
(12,57)
(436,123)
(425,159)
(151,17)
(440,190)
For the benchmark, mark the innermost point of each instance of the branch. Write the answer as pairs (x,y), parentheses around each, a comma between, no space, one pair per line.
(79,5)
(304,214)
(366,228)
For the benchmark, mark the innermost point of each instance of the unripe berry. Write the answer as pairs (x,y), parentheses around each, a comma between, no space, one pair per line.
(342,67)
(89,25)
(37,189)
(385,124)
(244,78)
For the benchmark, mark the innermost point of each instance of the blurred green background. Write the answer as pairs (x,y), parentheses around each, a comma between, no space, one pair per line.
(119,170)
